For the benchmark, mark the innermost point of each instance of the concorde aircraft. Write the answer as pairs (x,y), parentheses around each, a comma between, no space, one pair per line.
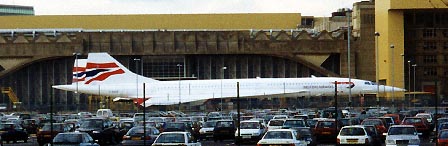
(101,74)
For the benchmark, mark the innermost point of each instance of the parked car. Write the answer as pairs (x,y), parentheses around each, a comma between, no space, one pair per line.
(250,131)
(402,135)
(136,136)
(354,135)
(206,131)
(176,138)
(73,138)
(420,123)
(275,124)
(281,137)
(101,129)
(46,135)
(12,132)
(224,129)
(376,137)
(442,138)
(326,130)
(307,135)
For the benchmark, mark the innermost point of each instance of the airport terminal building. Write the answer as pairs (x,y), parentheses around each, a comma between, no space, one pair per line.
(37,52)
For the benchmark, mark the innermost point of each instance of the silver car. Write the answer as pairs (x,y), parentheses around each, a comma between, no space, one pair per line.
(402,135)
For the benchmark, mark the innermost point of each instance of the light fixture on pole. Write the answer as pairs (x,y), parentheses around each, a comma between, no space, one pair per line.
(414,65)
(392,77)
(377,35)
(222,72)
(179,66)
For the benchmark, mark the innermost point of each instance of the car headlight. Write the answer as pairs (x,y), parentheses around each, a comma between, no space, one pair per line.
(414,141)
(95,132)
(390,141)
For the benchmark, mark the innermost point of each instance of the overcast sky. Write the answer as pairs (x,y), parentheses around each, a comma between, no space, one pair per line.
(92,7)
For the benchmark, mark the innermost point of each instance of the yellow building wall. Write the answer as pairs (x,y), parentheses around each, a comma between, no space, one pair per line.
(390,24)
(156,21)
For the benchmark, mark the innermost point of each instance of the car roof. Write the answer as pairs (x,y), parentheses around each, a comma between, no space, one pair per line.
(282,130)
(402,126)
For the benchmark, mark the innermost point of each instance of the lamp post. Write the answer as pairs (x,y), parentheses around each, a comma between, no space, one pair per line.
(409,78)
(392,77)
(414,65)
(179,66)
(136,75)
(349,12)
(77,79)
(222,72)
(377,34)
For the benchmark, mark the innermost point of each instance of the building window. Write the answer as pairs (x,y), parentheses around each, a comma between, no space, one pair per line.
(445,33)
(430,59)
(430,71)
(446,59)
(445,45)
(429,33)
(429,45)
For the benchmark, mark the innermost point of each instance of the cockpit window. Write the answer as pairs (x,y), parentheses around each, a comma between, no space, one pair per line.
(367,83)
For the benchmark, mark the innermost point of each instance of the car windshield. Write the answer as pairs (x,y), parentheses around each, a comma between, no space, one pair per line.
(249,125)
(372,122)
(139,131)
(224,124)
(276,123)
(68,138)
(56,127)
(175,125)
(443,134)
(92,124)
(171,138)
(413,120)
(278,135)
(209,124)
(294,123)
(326,124)
(402,131)
(352,132)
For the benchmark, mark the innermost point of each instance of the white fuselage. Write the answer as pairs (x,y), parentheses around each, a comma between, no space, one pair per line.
(168,92)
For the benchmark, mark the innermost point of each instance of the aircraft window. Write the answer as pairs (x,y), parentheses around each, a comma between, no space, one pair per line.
(367,83)
(373,83)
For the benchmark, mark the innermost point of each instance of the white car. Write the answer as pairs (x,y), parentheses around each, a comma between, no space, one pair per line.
(402,135)
(176,138)
(357,134)
(281,137)
(275,124)
(250,131)
(206,132)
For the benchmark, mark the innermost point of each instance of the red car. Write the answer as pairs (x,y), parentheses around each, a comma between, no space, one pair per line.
(421,124)
(379,124)
(326,130)
(442,138)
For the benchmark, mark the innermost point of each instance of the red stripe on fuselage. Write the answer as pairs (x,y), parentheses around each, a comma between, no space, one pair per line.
(105,76)
(101,65)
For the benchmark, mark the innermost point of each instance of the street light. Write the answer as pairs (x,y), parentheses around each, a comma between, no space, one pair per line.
(414,65)
(392,78)
(377,34)
(409,78)
(77,79)
(136,75)
(222,72)
(349,12)
(179,66)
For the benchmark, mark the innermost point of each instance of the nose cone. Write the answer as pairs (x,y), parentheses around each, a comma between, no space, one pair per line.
(65,87)
(392,89)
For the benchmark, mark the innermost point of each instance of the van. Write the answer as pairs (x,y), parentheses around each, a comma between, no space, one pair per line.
(107,113)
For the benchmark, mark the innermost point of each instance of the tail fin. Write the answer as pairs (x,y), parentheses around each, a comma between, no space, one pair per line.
(79,71)
(101,68)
